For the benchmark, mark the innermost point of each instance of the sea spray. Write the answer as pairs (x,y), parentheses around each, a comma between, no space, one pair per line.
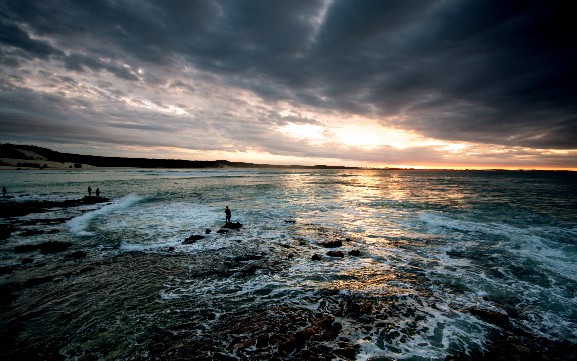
(79,225)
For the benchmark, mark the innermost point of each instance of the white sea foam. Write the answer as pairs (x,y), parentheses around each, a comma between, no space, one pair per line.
(79,225)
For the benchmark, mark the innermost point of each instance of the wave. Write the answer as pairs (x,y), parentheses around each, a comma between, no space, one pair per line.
(79,225)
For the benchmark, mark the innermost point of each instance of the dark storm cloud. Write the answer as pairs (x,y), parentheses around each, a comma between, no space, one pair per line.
(489,71)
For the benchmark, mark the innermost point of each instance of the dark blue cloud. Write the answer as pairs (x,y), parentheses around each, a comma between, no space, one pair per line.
(479,70)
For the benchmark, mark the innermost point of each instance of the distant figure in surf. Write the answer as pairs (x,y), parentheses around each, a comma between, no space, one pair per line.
(97,192)
(89,191)
(227,212)
(4,190)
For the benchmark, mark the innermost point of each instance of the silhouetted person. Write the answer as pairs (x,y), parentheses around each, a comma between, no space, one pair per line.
(4,190)
(89,191)
(97,192)
(227,212)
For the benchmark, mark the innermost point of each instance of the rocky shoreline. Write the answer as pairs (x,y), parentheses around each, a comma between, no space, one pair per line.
(33,294)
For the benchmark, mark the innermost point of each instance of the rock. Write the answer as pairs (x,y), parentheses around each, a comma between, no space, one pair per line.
(496,318)
(75,255)
(26,248)
(290,221)
(222,231)
(355,252)
(5,231)
(317,257)
(53,247)
(249,257)
(38,281)
(231,225)
(170,249)
(17,209)
(332,244)
(192,239)
(6,270)
(339,254)
(31,232)
(223,357)
(27,260)
(207,231)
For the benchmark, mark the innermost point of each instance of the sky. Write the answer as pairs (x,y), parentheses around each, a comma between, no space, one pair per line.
(391,83)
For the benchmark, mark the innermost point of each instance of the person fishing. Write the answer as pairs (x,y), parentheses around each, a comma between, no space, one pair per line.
(227,213)
(89,191)
(97,192)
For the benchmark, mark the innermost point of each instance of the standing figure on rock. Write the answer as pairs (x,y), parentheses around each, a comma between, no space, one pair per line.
(89,191)
(227,212)
(4,190)
(97,192)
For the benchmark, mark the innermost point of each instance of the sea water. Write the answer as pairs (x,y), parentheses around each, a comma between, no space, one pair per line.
(436,249)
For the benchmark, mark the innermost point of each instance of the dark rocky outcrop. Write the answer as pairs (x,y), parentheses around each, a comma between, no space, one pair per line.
(54,247)
(338,254)
(355,252)
(317,257)
(75,255)
(332,244)
(45,248)
(18,209)
(192,239)
(5,231)
(232,225)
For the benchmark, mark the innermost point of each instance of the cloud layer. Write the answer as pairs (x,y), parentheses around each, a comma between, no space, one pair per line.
(497,78)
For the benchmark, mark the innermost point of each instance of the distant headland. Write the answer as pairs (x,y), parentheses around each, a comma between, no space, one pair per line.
(30,156)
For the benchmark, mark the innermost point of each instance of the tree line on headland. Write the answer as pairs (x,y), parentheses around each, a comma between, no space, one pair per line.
(12,151)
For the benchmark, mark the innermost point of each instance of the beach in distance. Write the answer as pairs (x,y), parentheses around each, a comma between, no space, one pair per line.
(315,264)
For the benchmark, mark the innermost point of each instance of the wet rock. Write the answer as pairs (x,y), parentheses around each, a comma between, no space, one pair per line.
(222,231)
(249,257)
(31,232)
(338,254)
(18,209)
(76,255)
(317,257)
(222,357)
(355,252)
(5,270)
(192,239)
(170,249)
(320,330)
(26,248)
(231,225)
(38,281)
(5,231)
(54,247)
(332,244)
(290,221)
(27,260)
(496,318)
(207,231)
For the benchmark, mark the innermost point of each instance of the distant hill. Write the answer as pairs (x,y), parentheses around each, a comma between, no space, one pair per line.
(38,157)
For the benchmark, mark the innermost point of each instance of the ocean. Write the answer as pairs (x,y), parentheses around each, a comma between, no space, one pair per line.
(423,264)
